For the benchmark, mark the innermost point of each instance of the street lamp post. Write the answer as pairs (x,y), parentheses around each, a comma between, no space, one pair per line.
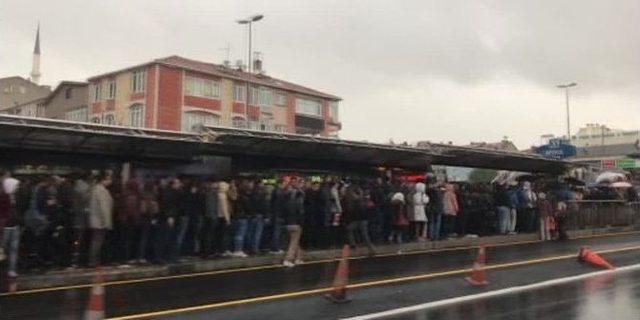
(249,21)
(566,93)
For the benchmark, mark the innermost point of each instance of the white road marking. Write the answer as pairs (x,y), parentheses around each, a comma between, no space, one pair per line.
(505,291)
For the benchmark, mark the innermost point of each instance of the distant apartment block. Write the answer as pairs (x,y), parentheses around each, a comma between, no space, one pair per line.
(19,96)
(68,101)
(176,93)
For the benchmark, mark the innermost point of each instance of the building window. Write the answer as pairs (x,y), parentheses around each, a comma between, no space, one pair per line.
(265,97)
(23,90)
(266,125)
(281,99)
(279,128)
(239,122)
(97,92)
(110,119)
(112,90)
(68,93)
(239,93)
(138,81)
(191,120)
(308,107)
(202,87)
(334,111)
(261,96)
(136,115)
(95,119)
(79,115)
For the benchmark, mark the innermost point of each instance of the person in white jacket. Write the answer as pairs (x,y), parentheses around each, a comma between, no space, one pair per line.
(420,200)
(100,217)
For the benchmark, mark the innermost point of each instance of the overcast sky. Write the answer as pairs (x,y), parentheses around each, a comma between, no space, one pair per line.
(444,70)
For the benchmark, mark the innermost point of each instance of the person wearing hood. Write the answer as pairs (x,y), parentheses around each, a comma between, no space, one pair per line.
(400,219)
(420,201)
(450,209)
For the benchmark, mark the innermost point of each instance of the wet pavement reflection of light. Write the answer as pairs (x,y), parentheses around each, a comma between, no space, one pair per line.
(609,296)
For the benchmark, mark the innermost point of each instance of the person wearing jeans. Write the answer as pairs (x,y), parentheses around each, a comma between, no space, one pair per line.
(9,225)
(240,218)
(294,216)
(259,205)
(501,200)
(504,219)
(11,245)
(239,233)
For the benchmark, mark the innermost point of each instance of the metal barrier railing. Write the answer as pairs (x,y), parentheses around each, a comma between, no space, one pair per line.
(587,214)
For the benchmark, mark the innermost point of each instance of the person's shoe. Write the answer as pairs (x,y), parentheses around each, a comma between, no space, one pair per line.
(276,252)
(124,266)
(239,254)
(288,264)
(12,274)
(142,261)
(227,254)
(132,261)
(298,261)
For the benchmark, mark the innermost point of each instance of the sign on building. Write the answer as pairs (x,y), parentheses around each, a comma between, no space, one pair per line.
(557,149)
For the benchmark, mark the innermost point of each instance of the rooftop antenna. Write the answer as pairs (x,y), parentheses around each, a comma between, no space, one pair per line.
(227,51)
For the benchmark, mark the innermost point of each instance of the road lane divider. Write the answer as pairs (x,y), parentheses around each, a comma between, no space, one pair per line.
(294,294)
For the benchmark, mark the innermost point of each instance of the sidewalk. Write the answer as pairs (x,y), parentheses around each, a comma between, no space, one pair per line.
(195,265)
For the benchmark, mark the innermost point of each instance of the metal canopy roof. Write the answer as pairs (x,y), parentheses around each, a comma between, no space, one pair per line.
(21,133)
(302,146)
(56,136)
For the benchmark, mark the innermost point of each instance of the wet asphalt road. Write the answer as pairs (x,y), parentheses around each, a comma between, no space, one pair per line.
(552,303)
(599,297)
(142,297)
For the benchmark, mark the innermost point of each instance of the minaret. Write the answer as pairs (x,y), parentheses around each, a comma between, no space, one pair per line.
(35,68)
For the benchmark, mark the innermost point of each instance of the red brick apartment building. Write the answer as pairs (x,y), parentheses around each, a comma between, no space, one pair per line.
(176,93)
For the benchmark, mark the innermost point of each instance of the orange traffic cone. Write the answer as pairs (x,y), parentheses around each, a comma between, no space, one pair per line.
(478,276)
(95,307)
(588,256)
(339,292)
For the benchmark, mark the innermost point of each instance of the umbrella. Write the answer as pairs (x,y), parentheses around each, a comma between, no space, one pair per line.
(501,177)
(621,184)
(574,181)
(609,176)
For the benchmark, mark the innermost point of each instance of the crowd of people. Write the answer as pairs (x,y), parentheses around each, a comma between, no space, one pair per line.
(92,219)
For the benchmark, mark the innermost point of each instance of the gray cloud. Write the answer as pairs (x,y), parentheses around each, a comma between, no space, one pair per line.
(441,70)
